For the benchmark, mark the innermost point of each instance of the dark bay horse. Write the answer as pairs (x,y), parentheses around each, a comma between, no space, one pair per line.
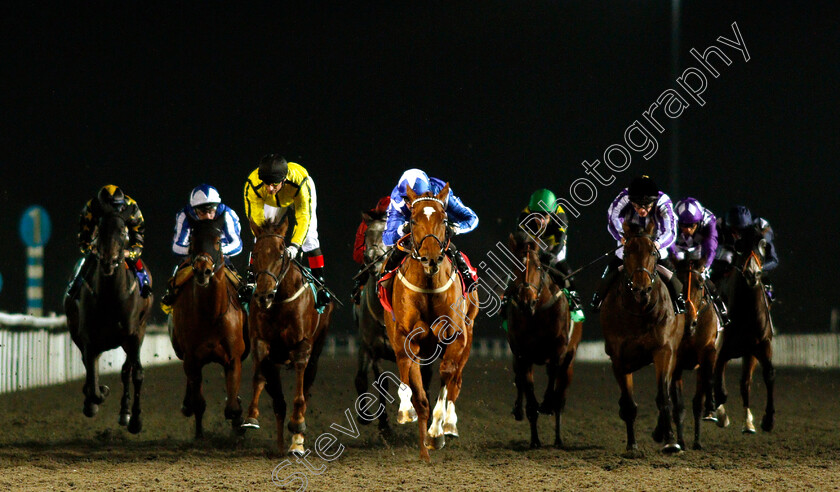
(206,324)
(640,328)
(110,313)
(285,328)
(749,334)
(540,331)
(431,318)
(697,349)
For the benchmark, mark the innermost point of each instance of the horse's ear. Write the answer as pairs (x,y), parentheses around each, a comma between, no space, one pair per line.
(444,193)
(256,230)
(409,193)
(650,227)
(367,218)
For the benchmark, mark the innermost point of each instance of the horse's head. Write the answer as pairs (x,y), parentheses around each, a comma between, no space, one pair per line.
(752,256)
(109,243)
(270,262)
(640,257)
(428,226)
(528,283)
(690,273)
(206,248)
(374,247)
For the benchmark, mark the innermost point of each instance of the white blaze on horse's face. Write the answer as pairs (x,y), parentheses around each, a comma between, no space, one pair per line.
(428,211)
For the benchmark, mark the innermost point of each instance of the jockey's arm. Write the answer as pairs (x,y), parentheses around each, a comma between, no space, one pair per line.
(136,229)
(614,214)
(666,223)
(463,217)
(86,225)
(395,224)
(231,235)
(303,212)
(181,239)
(254,204)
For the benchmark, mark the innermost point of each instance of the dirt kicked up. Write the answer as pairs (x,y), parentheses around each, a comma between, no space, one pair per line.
(46,442)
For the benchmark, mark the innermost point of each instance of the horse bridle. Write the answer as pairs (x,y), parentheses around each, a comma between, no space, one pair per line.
(652,275)
(123,238)
(284,266)
(528,285)
(195,258)
(704,302)
(414,252)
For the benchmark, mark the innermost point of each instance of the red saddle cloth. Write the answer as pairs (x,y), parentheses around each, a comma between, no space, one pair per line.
(385,295)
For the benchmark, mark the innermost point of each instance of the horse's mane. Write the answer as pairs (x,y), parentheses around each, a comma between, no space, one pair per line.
(522,238)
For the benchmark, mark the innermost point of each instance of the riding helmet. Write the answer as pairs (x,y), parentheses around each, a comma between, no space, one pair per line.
(111,196)
(204,194)
(416,179)
(739,217)
(643,191)
(273,168)
(689,211)
(542,201)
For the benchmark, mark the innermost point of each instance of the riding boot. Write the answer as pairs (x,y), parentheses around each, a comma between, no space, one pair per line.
(561,278)
(395,259)
(768,290)
(717,302)
(322,298)
(604,284)
(675,290)
(171,293)
(462,266)
(142,276)
(358,285)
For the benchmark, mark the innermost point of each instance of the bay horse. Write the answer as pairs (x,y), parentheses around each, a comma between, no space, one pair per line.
(697,349)
(431,318)
(285,328)
(748,335)
(640,327)
(540,331)
(206,324)
(110,313)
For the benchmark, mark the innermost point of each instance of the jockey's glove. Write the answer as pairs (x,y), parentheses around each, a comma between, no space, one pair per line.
(292,250)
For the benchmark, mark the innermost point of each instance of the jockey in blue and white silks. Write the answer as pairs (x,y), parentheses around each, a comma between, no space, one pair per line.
(204,197)
(697,238)
(639,204)
(205,204)
(462,217)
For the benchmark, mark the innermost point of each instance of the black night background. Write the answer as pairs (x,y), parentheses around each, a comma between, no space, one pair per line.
(498,98)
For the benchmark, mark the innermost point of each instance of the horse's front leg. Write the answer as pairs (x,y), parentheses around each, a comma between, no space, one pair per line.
(125,401)
(722,419)
(194,403)
(233,405)
(679,407)
(259,349)
(412,394)
(132,352)
(747,368)
(769,373)
(564,380)
(519,382)
(384,426)
(627,408)
(547,406)
(94,393)
(664,361)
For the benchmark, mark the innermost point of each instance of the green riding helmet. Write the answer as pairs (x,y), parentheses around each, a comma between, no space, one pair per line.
(546,197)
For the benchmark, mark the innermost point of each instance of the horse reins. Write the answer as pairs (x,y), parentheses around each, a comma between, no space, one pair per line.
(284,266)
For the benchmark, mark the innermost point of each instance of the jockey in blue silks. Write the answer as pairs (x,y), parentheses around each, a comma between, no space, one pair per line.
(205,204)
(697,239)
(460,217)
(639,204)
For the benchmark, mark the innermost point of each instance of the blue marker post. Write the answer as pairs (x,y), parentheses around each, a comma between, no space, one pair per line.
(35,231)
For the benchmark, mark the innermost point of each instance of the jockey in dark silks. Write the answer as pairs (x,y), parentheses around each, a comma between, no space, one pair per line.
(205,204)
(111,199)
(545,221)
(737,226)
(698,240)
(638,204)
(461,219)
(359,248)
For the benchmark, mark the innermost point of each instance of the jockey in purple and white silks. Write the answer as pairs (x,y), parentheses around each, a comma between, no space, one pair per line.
(460,217)
(639,204)
(698,240)
(205,204)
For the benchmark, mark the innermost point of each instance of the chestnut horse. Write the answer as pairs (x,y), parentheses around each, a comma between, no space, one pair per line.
(540,331)
(749,334)
(285,328)
(697,349)
(206,324)
(431,318)
(110,313)
(640,327)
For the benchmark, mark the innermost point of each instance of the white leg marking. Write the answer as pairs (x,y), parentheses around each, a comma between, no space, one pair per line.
(436,429)
(406,412)
(449,427)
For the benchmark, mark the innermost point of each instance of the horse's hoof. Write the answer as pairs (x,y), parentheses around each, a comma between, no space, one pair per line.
(105,390)
(296,449)
(250,423)
(767,423)
(406,416)
(722,418)
(633,452)
(435,442)
(558,443)
(135,425)
(546,408)
(186,411)
(124,419)
(710,416)
(748,428)
(673,448)
(385,430)
(91,409)
(450,430)
(518,414)
(697,446)
(536,444)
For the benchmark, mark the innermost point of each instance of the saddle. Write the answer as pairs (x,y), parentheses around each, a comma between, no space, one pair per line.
(385,284)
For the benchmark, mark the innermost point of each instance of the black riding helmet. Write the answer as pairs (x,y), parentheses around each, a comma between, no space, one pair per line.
(273,168)
(111,196)
(643,191)
(738,217)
